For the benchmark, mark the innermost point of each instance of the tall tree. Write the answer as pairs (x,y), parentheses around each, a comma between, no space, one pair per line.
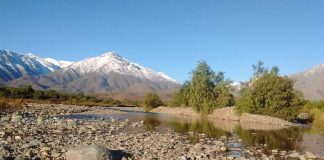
(208,90)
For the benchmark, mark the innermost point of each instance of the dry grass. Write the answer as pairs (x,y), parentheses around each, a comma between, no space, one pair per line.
(316,109)
(10,105)
(318,118)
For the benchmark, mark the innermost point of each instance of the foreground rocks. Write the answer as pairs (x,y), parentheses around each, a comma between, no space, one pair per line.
(41,132)
(89,153)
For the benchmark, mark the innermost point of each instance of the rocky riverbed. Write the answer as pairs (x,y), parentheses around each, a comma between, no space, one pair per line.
(42,132)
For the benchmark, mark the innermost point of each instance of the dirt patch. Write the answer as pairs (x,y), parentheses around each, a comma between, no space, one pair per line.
(227,113)
(181,111)
(246,117)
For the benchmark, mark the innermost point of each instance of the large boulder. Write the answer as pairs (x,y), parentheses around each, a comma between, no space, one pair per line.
(88,153)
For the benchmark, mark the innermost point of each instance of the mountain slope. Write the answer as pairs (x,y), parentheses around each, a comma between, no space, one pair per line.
(311,82)
(108,73)
(14,65)
(110,61)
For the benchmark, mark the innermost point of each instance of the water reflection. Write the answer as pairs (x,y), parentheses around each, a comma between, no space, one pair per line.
(282,139)
(277,138)
(200,126)
(151,123)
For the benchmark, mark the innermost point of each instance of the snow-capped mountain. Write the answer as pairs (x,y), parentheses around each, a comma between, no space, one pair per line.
(108,73)
(50,66)
(112,62)
(61,64)
(311,82)
(50,63)
(14,65)
(315,70)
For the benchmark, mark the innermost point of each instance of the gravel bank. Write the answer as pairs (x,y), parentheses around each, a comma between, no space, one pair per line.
(227,113)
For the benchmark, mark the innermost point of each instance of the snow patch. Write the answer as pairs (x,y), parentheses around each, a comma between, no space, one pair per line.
(61,64)
(314,70)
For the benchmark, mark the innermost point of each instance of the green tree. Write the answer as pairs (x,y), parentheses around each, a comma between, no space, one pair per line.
(271,94)
(206,90)
(23,92)
(39,95)
(182,96)
(202,97)
(152,100)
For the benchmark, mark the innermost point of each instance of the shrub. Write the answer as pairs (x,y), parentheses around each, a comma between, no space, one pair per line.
(40,95)
(316,109)
(315,105)
(152,100)
(271,94)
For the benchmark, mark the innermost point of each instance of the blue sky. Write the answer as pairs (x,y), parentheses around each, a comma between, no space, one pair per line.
(168,35)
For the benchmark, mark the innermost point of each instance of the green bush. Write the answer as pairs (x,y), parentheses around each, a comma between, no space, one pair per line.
(315,105)
(23,92)
(316,109)
(271,94)
(152,100)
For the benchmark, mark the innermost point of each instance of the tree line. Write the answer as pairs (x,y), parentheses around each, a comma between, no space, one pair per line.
(27,92)
(267,93)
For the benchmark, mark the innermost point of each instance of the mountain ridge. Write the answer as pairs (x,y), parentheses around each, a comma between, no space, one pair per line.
(311,82)
(14,65)
(103,74)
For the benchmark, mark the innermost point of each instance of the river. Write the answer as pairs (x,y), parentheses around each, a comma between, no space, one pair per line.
(266,138)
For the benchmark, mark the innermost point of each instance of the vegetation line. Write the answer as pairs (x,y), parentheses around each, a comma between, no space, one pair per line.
(267,93)
(14,97)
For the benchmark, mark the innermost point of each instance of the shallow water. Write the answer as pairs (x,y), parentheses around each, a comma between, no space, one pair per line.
(263,137)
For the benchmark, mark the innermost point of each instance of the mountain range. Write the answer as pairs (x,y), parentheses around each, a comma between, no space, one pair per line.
(108,74)
(13,65)
(111,74)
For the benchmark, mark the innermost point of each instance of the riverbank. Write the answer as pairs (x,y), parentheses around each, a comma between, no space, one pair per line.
(227,113)
(42,132)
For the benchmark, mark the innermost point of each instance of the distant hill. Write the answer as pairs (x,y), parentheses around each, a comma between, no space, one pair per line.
(108,73)
(311,82)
